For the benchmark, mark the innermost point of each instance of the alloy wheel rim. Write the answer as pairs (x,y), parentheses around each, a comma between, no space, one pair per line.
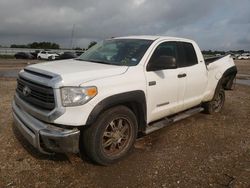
(217,105)
(116,137)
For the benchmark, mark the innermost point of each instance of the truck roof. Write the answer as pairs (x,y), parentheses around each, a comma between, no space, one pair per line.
(154,37)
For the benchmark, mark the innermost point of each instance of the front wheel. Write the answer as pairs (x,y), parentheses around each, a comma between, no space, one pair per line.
(51,58)
(216,104)
(111,137)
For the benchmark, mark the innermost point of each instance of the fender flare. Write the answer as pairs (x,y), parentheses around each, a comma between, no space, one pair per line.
(135,100)
(226,81)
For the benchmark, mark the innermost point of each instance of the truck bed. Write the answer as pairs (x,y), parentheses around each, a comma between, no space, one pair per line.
(212,59)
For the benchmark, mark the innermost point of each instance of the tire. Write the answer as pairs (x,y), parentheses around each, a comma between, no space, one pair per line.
(111,137)
(39,58)
(216,104)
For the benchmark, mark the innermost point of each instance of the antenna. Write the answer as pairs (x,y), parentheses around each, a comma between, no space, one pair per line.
(72,37)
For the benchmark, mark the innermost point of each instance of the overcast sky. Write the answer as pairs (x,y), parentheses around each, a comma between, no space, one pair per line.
(214,24)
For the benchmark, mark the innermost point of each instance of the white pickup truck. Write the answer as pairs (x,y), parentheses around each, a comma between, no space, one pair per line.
(99,103)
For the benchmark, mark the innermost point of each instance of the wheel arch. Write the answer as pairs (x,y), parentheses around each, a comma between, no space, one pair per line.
(228,78)
(226,81)
(134,100)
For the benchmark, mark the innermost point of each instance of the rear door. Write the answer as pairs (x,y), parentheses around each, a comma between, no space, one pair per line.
(196,75)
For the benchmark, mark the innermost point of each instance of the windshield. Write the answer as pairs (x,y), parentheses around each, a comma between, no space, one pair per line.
(127,52)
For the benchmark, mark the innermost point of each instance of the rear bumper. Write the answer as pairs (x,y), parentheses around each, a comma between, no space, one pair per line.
(45,137)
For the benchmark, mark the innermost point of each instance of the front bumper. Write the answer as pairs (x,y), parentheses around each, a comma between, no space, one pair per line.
(47,138)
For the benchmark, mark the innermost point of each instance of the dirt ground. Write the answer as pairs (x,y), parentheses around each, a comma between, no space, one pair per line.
(243,66)
(200,151)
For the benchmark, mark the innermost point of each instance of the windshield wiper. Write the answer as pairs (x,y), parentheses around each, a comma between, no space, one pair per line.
(97,61)
(102,62)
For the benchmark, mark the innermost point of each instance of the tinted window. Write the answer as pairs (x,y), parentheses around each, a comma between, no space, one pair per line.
(164,49)
(187,54)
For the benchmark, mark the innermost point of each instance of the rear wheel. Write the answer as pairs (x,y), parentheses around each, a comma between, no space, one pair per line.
(111,137)
(216,104)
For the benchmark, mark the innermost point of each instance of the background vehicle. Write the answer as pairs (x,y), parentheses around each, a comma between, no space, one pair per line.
(47,55)
(35,53)
(24,55)
(235,56)
(66,55)
(78,53)
(98,103)
(244,56)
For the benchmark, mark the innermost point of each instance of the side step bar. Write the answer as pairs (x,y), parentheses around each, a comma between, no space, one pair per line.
(168,121)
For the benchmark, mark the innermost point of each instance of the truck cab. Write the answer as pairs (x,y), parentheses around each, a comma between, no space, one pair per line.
(100,102)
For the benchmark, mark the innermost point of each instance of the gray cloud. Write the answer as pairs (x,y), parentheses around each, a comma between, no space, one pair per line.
(214,24)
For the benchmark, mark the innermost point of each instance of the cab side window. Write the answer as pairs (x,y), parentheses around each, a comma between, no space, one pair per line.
(164,49)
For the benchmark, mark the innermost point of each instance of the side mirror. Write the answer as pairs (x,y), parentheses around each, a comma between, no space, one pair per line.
(161,63)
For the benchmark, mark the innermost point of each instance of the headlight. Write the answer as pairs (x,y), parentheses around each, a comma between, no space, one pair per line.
(75,96)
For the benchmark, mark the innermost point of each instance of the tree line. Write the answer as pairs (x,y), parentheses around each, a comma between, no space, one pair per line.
(211,52)
(50,45)
(46,45)
(37,45)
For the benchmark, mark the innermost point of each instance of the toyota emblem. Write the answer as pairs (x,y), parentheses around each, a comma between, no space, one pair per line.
(26,91)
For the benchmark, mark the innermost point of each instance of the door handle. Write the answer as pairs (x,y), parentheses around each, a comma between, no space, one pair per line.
(152,83)
(182,75)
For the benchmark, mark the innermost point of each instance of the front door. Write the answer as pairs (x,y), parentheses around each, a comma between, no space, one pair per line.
(165,88)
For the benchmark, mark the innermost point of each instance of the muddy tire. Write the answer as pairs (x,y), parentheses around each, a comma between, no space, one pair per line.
(216,104)
(111,137)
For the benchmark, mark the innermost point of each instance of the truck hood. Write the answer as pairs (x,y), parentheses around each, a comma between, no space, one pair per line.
(75,72)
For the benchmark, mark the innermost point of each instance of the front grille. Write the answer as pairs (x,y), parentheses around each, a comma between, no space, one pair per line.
(35,94)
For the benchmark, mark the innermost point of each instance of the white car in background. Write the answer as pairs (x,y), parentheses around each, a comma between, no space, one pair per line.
(244,56)
(47,55)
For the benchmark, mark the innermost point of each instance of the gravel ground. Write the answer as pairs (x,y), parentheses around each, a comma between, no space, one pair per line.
(200,151)
(243,66)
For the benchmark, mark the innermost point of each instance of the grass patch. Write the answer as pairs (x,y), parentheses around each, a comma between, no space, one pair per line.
(7,57)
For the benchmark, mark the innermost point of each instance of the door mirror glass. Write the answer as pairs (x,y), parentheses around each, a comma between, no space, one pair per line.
(161,63)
